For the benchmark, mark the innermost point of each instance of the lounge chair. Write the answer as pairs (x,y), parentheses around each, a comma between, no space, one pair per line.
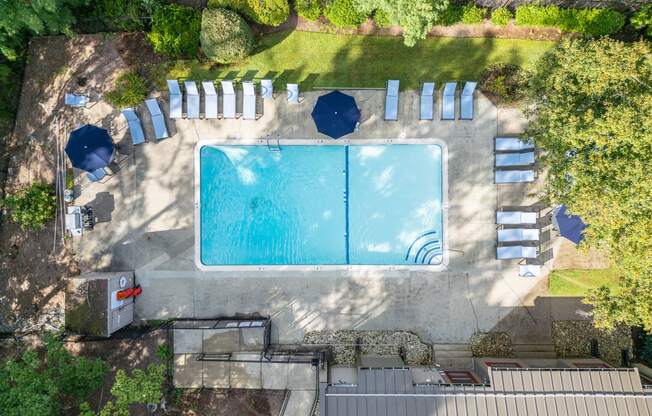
(529,270)
(248,101)
(448,101)
(73,100)
(466,101)
(391,100)
(158,121)
(514,176)
(96,175)
(135,127)
(266,89)
(515,217)
(293,93)
(518,234)
(192,99)
(228,99)
(427,92)
(210,99)
(513,144)
(516,252)
(73,221)
(176,99)
(514,159)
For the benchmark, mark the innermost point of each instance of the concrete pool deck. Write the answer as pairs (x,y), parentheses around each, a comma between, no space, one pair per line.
(145,215)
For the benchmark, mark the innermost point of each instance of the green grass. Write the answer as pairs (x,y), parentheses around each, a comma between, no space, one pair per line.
(328,60)
(577,282)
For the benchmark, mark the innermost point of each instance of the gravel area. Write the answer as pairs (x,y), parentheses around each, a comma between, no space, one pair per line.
(573,339)
(491,344)
(347,345)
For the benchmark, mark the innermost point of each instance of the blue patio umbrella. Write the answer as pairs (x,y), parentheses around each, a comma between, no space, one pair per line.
(569,226)
(336,114)
(90,148)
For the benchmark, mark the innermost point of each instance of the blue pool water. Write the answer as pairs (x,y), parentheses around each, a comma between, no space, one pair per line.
(366,205)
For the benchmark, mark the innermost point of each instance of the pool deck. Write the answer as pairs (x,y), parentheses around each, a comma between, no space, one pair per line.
(145,215)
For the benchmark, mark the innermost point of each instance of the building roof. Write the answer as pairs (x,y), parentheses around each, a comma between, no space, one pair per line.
(522,392)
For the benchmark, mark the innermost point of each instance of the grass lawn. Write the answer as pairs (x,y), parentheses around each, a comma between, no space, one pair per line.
(577,282)
(328,60)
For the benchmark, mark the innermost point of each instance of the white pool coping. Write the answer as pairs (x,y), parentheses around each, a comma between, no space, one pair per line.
(317,267)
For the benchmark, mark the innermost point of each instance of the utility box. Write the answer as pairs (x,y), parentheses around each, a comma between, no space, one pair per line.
(92,305)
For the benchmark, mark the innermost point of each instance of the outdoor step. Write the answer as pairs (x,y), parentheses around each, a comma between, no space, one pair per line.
(455,347)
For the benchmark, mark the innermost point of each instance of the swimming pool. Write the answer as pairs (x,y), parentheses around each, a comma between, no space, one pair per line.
(341,204)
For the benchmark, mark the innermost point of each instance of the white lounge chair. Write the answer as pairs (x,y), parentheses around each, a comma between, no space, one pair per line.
(518,234)
(293,93)
(515,217)
(513,144)
(448,101)
(529,270)
(427,92)
(391,100)
(73,100)
(158,121)
(210,99)
(514,176)
(266,88)
(514,159)
(516,252)
(248,101)
(192,99)
(466,101)
(228,99)
(135,127)
(176,98)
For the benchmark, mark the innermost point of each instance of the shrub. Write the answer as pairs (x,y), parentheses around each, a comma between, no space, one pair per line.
(594,22)
(225,36)
(381,19)
(451,15)
(501,16)
(265,12)
(642,19)
(343,13)
(645,351)
(124,15)
(507,83)
(175,31)
(598,22)
(130,90)
(33,206)
(472,14)
(309,9)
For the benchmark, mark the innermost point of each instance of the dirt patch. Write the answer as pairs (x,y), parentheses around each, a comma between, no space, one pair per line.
(229,403)
(568,256)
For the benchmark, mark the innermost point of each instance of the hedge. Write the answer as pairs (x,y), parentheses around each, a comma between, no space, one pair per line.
(472,14)
(501,16)
(343,13)
(309,9)
(175,31)
(225,37)
(265,12)
(594,22)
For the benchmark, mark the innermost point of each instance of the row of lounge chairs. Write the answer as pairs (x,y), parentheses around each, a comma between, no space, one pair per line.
(514,160)
(448,107)
(516,235)
(136,127)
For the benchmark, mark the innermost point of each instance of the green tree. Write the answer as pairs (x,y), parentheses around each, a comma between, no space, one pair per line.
(592,115)
(175,31)
(416,17)
(225,36)
(31,207)
(31,386)
(265,12)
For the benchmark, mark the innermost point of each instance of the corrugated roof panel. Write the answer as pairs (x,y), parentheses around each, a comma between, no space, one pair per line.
(351,405)
(550,406)
(501,406)
(496,377)
(566,380)
(431,407)
(521,408)
(546,381)
(372,407)
(644,405)
(594,380)
(562,409)
(360,407)
(510,406)
(420,405)
(581,406)
(531,407)
(576,381)
(556,383)
(481,405)
(571,405)
(402,405)
(612,408)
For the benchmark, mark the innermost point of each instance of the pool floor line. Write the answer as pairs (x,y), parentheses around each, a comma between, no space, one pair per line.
(346,203)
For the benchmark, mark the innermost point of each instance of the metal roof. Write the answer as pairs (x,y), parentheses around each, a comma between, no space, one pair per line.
(522,392)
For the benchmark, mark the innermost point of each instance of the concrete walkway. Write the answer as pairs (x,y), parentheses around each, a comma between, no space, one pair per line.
(146,214)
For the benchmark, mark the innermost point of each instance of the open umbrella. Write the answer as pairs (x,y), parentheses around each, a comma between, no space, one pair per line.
(569,226)
(336,114)
(90,148)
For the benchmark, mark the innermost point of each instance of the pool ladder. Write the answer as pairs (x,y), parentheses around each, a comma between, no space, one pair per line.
(273,147)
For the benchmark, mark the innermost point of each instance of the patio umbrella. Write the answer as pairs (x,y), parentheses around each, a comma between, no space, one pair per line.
(336,114)
(569,226)
(90,148)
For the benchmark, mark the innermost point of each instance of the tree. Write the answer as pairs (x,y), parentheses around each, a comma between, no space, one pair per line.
(225,36)
(31,207)
(592,115)
(416,17)
(31,386)
(175,31)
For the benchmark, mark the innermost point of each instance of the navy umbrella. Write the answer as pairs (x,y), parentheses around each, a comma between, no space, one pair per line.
(336,114)
(90,148)
(569,226)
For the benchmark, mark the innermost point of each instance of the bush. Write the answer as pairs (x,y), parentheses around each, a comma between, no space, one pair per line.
(175,31)
(381,19)
(472,14)
(32,207)
(265,12)
(130,90)
(507,83)
(594,22)
(309,9)
(451,15)
(342,13)
(501,16)
(642,19)
(122,15)
(645,351)
(225,36)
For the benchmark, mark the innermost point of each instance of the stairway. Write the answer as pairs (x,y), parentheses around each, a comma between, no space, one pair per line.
(534,351)
(453,356)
